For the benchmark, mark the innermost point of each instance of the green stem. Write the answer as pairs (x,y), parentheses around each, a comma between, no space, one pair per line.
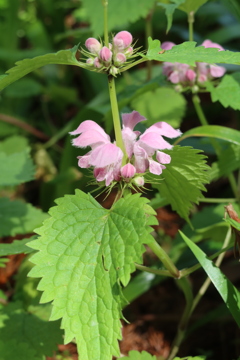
(189,310)
(186,288)
(217,201)
(148,33)
(190,25)
(105,14)
(215,145)
(153,271)
(165,259)
(116,117)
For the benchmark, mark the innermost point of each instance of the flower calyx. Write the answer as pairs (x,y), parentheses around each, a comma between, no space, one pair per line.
(111,59)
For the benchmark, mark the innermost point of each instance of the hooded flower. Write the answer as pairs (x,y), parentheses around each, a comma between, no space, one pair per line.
(106,158)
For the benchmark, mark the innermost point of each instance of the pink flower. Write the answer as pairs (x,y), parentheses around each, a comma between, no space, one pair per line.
(167,45)
(122,40)
(93,45)
(106,158)
(120,59)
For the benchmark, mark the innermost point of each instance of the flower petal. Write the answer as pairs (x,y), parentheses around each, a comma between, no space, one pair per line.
(163,128)
(155,167)
(89,138)
(163,158)
(154,141)
(130,120)
(89,125)
(141,158)
(106,154)
(128,171)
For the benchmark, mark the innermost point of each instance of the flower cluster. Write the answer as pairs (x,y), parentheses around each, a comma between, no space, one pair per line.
(185,75)
(106,158)
(109,58)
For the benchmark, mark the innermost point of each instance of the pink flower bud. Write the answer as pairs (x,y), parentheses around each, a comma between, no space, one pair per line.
(210,44)
(97,63)
(191,75)
(138,180)
(113,71)
(129,51)
(105,54)
(90,61)
(120,59)
(128,171)
(93,45)
(122,40)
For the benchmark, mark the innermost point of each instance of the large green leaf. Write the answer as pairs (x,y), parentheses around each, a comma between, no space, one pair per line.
(188,53)
(183,179)
(24,67)
(136,355)
(172,107)
(119,13)
(85,251)
(28,328)
(228,292)
(213,131)
(227,92)
(18,217)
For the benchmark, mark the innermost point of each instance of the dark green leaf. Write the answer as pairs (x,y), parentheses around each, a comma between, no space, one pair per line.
(228,292)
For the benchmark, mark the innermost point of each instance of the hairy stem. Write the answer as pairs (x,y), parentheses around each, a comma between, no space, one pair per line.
(105,17)
(148,33)
(215,145)
(116,117)
(165,259)
(190,25)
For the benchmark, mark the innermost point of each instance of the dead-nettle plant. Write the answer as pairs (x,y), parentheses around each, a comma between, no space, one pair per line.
(85,254)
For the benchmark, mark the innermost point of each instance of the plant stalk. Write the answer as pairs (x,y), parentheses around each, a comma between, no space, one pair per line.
(190,25)
(116,117)
(164,258)
(105,17)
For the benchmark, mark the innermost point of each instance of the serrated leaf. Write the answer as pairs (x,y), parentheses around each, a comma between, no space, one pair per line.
(192,5)
(227,92)
(16,168)
(172,109)
(136,355)
(13,350)
(213,131)
(16,247)
(24,67)
(188,53)
(17,217)
(228,292)
(28,328)
(119,13)
(169,10)
(85,251)
(183,179)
